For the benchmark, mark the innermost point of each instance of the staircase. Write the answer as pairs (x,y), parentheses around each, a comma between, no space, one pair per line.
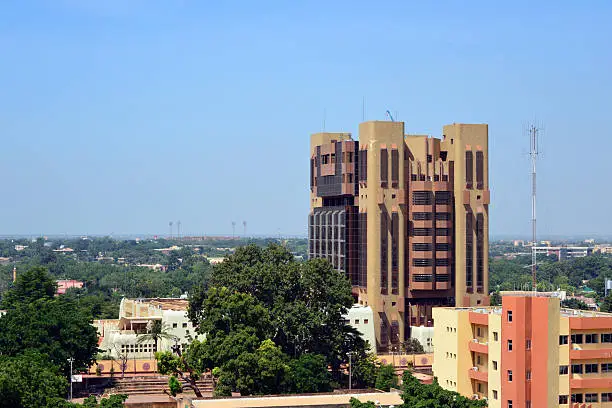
(151,385)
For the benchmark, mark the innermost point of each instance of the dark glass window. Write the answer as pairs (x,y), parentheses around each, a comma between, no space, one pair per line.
(394,166)
(363,165)
(469,169)
(469,251)
(422,216)
(422,197)
(384,166)
(479,170)
(576,338)
(480,252)
(443,198)
(395,253)
(384,233)
(563,370)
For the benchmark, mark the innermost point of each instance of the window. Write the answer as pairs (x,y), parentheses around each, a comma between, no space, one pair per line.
(479,332)
(422,197)
(509,345)
(591,368)
(443,216)
(443,198)
(527,404)
(494,394)
(528,344)
(384,166)
(478,360)
(509,403)
(576,368)
(174,325)
(590,338)
(440,246)
(606,338)
(479,170)
(421,247)
(509,375)
(528,375)
(469,169)
(563,399)
(421,232)
(495,336)
(422,216)
(562,340)
(563,370)
(479,387)
(606,397)
(577,398)
(356,321)
(184,325)
(509,315)
(591,397)
(576,338)
(606,367)
(495,365)
(442,232)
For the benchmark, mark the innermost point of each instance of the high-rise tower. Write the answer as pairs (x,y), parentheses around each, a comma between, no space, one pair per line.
(406,217)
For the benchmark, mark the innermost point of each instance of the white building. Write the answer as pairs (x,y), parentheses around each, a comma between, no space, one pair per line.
(424,335)
(120,336)
(362,318)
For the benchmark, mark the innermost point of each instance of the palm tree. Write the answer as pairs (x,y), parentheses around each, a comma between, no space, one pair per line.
(156,331)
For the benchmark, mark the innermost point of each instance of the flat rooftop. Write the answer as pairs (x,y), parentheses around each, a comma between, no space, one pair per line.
(164,303)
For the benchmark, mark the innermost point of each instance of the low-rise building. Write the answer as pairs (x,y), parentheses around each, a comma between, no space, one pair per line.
(362,318)
(136,316)
(527,353)
(564,252)
(64,284)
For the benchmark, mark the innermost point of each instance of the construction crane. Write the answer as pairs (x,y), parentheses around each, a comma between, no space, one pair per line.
(390,116)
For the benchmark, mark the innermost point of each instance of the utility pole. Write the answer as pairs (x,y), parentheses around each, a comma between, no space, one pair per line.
(533,152)
(71,360)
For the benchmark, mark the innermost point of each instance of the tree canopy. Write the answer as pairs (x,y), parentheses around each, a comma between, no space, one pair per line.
(262,305)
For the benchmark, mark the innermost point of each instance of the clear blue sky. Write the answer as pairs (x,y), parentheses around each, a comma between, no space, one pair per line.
(120,115)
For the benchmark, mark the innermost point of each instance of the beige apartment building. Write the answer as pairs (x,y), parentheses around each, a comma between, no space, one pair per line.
(527,353)
(405,217)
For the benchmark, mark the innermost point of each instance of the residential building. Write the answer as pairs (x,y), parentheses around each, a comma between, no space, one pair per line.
(564,252)
(362,318)
(527,353)
(120,336)
(64,284)
(405,217)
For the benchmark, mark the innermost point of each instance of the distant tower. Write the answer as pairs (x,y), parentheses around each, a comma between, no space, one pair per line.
(244,225)
(170,224)
(14,273)
(233,229)
(533,152)
(178,229)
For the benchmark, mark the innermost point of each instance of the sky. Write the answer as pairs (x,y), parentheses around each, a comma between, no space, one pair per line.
(118,116)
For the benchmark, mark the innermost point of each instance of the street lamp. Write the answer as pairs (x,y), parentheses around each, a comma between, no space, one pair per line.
(350,355)
(71,360)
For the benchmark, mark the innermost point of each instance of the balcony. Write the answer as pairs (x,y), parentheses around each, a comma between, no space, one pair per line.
(479,318)
(590,323)
(591,383)
(590,354)
(478,347)
(478,375)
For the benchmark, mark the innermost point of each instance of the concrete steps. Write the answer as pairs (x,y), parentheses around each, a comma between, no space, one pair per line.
(152,385)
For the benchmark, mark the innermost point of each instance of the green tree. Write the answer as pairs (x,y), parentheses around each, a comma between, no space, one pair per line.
(305,301)
(30,381)
(55,327)
(156,331)
(413,346)
(262,372)
(571,303)
(178,367)
(418,395)
(495,298)
(34,284)
(386,378)
(606,305)
(355,403)
(365,370)
(309,374)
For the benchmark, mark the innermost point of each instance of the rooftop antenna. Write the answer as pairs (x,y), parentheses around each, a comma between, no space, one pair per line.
(363,108)
(390,116)
(324,117)
(233,229)
(170,225)
(533,152)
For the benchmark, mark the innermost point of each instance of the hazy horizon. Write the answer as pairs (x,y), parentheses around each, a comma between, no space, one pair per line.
(120,116)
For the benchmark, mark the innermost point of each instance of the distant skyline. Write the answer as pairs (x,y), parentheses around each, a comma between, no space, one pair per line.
(119,116)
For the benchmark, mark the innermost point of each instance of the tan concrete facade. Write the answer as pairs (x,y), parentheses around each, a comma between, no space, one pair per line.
(422,219)
(527,353)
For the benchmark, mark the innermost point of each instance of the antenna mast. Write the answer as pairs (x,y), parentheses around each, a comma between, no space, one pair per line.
(533,152)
